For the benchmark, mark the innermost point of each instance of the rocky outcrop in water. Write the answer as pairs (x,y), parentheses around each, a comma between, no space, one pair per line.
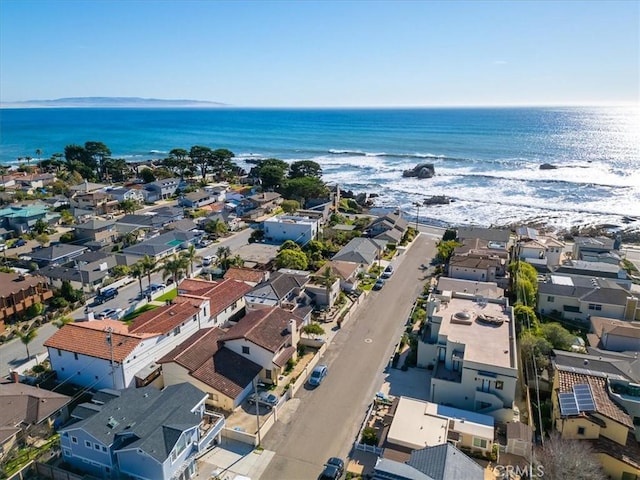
(422,170)
(547,166)
(437,200)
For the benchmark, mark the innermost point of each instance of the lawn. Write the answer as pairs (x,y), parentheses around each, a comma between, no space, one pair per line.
(139,311)
(170,295)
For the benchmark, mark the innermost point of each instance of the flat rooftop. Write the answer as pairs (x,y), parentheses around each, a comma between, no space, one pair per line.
(484,342)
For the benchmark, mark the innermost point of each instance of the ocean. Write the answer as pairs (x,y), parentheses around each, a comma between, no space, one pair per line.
(487,160)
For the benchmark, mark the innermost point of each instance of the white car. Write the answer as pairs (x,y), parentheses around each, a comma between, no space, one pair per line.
(114,313)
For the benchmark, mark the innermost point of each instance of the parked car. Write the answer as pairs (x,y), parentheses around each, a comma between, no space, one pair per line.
(318,375)
(388,272)
(19,243)
(208,260)
(106,295)
(3,247)
(333,469)
(114,313)
(379,284)
(264,398)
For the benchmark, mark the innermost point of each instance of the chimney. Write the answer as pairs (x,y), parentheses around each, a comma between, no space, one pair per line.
(292,328)
(15,376)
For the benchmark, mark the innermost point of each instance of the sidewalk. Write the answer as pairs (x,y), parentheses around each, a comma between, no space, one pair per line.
(230,459)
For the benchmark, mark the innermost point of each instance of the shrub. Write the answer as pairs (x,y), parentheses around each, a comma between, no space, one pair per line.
(369,436)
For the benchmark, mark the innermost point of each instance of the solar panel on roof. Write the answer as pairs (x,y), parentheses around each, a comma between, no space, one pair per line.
(584,398)
(568,404)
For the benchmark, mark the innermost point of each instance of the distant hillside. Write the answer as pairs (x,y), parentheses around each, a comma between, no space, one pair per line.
(110,102)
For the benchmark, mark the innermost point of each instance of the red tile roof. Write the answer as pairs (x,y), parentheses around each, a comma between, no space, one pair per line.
(90,338)
(604,405)
(221,294)
(222,369)
(164,319)
(266,327)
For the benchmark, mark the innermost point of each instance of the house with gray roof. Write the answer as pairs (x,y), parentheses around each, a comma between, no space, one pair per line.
(143,433)
(125,193)
(198,199)
(577,297)
(95,230)
(596,249)
(283,289)
(363,251)
(161,189)
(390,227)
(441,462)
(595,269)
(87,271)
(57,254)
(162,245)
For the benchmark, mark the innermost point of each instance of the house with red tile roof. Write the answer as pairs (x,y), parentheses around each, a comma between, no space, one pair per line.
(204,361)
(110,354)
(226,298)
(268,337)
(584,410)
(250,276)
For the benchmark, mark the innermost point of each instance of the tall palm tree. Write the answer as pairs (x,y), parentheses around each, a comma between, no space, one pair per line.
(26,338)
(149,265)
(137,271)
(62,321)
(191,255)
(174,267)
(223,254)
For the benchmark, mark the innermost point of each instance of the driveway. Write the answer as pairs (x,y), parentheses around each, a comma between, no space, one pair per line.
(328,417)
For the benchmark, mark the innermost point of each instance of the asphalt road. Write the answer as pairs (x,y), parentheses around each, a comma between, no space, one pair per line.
(13,353)
(328,418)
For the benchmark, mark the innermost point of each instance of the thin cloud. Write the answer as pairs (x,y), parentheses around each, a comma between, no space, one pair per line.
(500,62)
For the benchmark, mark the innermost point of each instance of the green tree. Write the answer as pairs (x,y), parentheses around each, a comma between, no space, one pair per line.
(295,259)
(271,173)
(117,169)
(191,255)
(445,249)
(149,265)
(216,227)
(66,218)
(178,161)
(40,227)
(26,338)
(526,291)
(305,168)
(305,188)
(99,153)
(120,271)
(525,316)
(68,237)
(313,329)
(137,271)
(221,165)
(289,245)
(533,346)
(290,206)
(201,157)
(256,236)
(62,321)
(449,234)
(69,293)
(42,239)
(147,176)
(128,206)
(34,310)
(174,268)
(557,335)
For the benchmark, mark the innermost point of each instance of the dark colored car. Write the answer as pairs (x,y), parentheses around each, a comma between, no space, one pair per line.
(106,295)
(333,469)
(379,284)
(19,243)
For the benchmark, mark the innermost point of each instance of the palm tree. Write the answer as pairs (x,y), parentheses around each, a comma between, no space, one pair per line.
(174,267)
(149,265)
(223,254)
(27,338)
(62,321)
(191,255)
(137,271)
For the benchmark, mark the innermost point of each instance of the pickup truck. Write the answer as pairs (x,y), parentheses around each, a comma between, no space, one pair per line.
(106,295)
(264,398)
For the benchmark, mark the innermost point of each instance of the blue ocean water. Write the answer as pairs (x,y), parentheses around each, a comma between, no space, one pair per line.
(486,159)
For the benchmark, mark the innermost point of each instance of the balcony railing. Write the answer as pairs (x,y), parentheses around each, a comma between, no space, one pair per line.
(211,425)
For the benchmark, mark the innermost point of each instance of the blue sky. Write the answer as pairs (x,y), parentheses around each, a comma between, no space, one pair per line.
(323,53)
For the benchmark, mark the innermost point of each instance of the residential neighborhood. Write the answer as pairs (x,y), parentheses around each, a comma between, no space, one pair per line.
(188,319)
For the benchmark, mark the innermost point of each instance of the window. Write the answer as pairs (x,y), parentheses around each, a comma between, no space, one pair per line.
(87,443)
(499,384)
(580,430)
(96,446)
(75,355)
(245,350)
(479,443)
(267,373)
(59,352)
(104,449)
(176,330)
(550,298)
(74,439)
(595,306)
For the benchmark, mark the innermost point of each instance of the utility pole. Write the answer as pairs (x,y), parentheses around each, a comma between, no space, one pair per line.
(110,342)
(417,205)
(255,393)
